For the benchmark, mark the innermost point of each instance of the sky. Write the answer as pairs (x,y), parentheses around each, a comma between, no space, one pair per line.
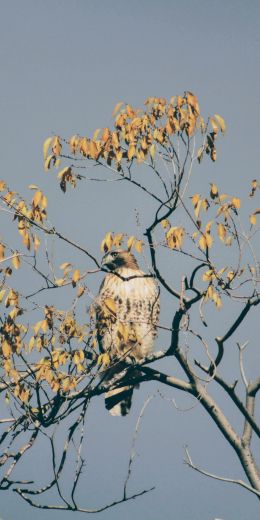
(64,66)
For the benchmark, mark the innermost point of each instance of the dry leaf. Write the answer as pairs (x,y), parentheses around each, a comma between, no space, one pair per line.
(117,108)
(76,276)
(221,122)
(236,202)
(16,261)
(46,146)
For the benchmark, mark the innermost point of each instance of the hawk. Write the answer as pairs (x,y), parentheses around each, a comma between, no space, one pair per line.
(127,312)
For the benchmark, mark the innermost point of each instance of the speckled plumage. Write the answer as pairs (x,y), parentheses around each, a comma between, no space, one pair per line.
(127,311)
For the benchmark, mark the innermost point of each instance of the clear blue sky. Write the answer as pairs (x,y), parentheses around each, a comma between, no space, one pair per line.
(64,65)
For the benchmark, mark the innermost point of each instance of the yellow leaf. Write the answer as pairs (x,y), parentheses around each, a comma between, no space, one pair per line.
(33,187)
(107,243)
(76,276)
(117,108)
(73,143)
(228,241)
(222,232)
(84,148)
(200,154)
(55,386)
(2,185)
(24,395)
(26,241)
(223,196)
(144,144)
(6,349)
(13,314)
(65,265)
(213,154)
(47,162)
(31,343)
(210,292)
(80,368)
(140,156)
(64,171)
(111,305)
(66,384)
(16,261)
(44,202)
(57,162)
(37,198)
(118,239)
(119,155)
(56,146)
(205,204)
(105,135)
(2,293)
(253,219)
(230,276)
(44,325)
(236,202)
(208,276)
(93,151)
(180,101)
(254,186)
(197,208)
(105,359)
(174,237)
(203,242)
(152,151)
(193,101)
(131,151)
(130,242)
(208,226)
(81,291)
(8,368)
(78,357)
(165,223)
(12,298)
(130,111)
(218,302)
(221,271)
(97,131)
(214,125)
(195,199)
(36,242)
(2,251)
(221,123)
(46,146)
(59,282)
(139,246)
(213,191)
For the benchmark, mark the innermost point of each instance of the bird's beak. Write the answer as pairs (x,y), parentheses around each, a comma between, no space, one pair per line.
(106,260)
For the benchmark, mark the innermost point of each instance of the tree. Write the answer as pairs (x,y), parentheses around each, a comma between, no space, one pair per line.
(50,365)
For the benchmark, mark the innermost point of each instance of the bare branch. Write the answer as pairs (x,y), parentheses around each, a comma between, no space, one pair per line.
(189,463)
(241,348)
(136,432)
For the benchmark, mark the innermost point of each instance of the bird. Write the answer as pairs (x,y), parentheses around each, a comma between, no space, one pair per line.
(127,313)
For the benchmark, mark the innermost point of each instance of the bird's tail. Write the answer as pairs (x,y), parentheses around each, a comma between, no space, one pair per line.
(118,402)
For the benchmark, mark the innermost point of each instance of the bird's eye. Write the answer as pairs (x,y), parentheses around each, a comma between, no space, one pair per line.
(114,254)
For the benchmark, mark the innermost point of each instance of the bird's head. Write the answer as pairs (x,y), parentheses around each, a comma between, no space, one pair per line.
(114,260)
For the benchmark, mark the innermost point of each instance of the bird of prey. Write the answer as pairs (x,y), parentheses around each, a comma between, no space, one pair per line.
(127,312)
